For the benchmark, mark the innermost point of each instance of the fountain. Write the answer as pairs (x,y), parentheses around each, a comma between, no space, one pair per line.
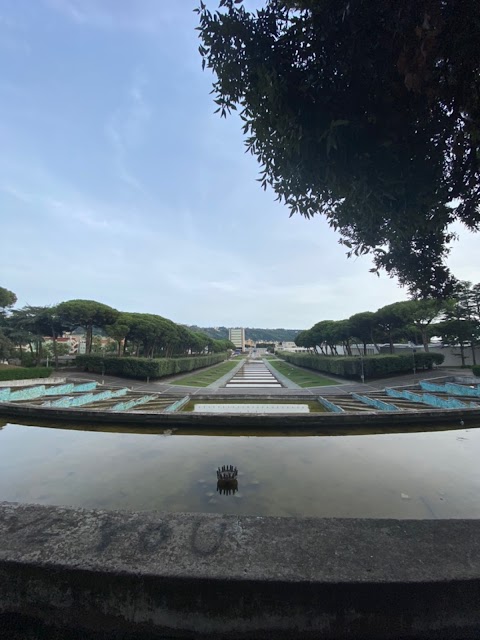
(227,480)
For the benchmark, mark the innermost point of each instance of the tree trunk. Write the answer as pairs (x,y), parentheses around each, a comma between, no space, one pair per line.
(373,342)
(425,340)
(88,338)
(462,353)
(55,349)
(474,357)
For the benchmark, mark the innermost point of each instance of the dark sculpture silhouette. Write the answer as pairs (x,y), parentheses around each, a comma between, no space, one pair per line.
(227,480)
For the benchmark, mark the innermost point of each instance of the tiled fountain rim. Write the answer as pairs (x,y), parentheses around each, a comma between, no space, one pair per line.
(264,421)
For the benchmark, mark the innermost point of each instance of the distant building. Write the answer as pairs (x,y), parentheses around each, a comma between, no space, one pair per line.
(237,336)
(288,345)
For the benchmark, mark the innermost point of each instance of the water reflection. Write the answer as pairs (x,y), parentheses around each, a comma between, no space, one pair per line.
(409,475)
(323,430)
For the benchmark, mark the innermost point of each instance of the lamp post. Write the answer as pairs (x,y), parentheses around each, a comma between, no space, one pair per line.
(414,351)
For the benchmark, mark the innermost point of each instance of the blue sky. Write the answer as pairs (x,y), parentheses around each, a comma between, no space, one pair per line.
(119,183)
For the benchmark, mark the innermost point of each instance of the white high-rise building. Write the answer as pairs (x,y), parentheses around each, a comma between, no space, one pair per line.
(237,336)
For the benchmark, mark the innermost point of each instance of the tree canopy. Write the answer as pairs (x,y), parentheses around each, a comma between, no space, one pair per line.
(365,112)
(87,314)
(7,298)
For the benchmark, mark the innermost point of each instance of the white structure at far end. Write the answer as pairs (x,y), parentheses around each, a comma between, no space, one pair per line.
(237,336)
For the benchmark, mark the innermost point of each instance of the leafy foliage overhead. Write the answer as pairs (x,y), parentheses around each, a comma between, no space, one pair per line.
(365,112)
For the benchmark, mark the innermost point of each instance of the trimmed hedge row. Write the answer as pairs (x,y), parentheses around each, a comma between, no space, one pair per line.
(476,370)
(373,366)
(142,368)
(24,373)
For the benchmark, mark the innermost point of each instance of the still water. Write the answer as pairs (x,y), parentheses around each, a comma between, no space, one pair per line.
(401,475)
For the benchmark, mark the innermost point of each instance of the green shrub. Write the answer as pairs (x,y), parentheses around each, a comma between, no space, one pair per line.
(142,368)
(23,373)
(373,366)
(426,360)
(28,359)
(476,370)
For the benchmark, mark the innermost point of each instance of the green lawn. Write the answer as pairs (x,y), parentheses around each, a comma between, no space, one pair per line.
(302,377)
(204,377)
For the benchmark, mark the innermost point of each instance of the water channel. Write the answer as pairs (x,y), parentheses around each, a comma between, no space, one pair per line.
(431,474)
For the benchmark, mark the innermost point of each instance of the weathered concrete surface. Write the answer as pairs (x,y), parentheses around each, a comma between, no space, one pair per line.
(154,575)
(31,382)
(192,420)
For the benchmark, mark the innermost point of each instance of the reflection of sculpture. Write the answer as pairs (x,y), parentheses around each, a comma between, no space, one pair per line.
(227,480)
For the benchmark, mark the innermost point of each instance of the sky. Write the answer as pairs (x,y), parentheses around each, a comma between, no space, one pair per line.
(118,183)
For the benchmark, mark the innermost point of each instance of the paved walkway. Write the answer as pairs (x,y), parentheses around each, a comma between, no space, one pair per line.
(254,375)
(221,382)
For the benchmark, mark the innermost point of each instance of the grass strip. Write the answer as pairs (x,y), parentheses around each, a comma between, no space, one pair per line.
(302,377)
(205,377)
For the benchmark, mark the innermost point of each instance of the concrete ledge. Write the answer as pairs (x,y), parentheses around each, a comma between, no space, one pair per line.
(154,575)
(30,382)
(208,421)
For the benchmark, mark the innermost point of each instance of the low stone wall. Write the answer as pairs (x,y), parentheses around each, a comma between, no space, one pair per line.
(34,413)
(102,574)
(31,381)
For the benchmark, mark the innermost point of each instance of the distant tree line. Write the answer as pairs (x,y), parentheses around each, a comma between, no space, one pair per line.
(455,321)
(251,333)
(139,334)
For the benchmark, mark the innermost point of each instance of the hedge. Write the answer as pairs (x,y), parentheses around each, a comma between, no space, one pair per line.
(24,373)
(476,370)
(373,366)
(142,368)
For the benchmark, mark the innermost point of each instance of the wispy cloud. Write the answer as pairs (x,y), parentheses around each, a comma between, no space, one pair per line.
(70,207)
(125,129)
(17,193)
(148,16)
